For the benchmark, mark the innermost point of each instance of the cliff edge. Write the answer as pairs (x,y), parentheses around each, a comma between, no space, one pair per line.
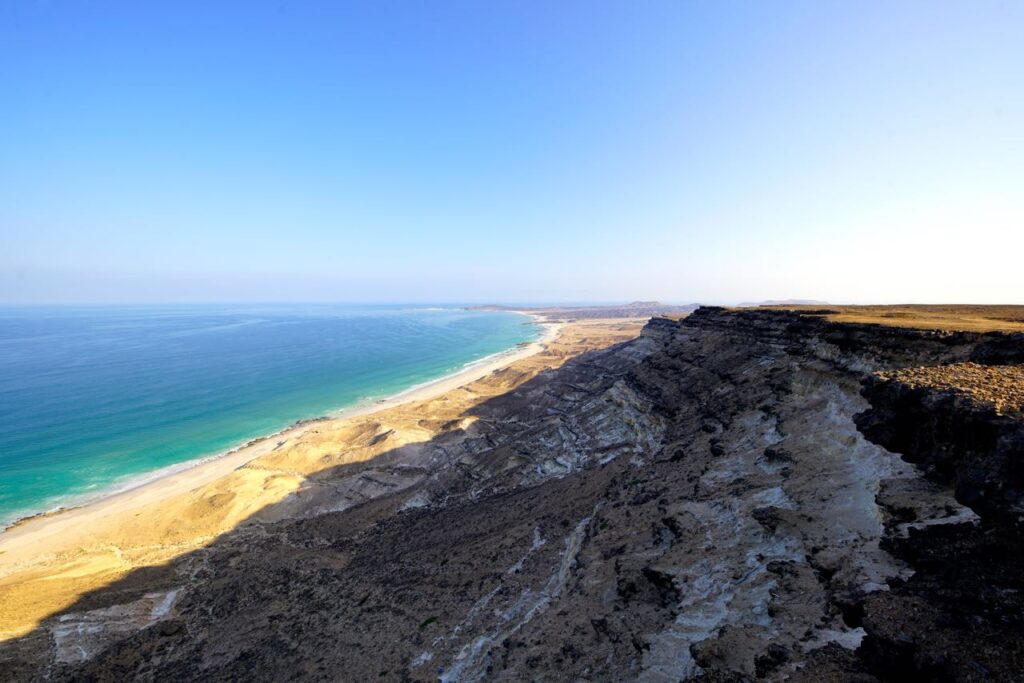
(738,495)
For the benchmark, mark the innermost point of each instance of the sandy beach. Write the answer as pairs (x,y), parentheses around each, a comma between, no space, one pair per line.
(49,561)
(36,529)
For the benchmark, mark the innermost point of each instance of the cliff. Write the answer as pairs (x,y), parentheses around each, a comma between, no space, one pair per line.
(738,495)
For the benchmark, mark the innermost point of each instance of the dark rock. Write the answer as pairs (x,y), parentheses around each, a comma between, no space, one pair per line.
(774,656)
(567,531)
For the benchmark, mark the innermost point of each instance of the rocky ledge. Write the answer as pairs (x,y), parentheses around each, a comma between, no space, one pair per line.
(998,386)
(739,495)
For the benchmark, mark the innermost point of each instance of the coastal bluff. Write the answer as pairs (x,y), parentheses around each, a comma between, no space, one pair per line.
(734,495)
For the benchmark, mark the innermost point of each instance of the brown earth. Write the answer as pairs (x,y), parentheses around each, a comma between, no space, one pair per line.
(947,317)
(1001,386)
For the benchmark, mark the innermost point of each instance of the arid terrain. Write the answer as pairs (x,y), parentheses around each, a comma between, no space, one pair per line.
(999,386)
(737,495)
(922,316)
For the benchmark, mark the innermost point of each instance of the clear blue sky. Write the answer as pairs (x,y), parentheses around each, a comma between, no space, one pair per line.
(511,151)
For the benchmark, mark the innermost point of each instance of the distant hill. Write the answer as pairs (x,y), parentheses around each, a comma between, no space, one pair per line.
(783,302)
(635,309)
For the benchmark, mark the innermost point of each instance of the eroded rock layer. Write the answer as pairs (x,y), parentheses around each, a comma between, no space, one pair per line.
(723,498)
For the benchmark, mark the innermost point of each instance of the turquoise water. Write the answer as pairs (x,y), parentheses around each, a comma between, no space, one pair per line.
(91,397)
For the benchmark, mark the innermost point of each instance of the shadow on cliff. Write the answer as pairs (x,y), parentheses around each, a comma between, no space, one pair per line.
(946,559)
(28,657)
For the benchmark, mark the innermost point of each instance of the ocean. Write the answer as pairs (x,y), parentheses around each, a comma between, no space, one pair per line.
(93,399)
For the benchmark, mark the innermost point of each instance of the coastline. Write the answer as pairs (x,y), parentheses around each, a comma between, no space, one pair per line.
(470,372)
(48,564)
(152,487)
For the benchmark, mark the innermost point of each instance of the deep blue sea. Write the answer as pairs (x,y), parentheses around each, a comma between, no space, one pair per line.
(92,398)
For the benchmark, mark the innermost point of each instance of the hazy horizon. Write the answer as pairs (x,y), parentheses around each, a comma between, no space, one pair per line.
(413,304)
(582,152)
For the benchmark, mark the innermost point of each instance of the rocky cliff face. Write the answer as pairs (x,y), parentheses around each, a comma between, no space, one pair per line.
(734,496)
(960,616)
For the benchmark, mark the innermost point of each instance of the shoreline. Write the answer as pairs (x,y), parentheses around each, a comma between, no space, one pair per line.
(463,375)
(48,564)
(204,469)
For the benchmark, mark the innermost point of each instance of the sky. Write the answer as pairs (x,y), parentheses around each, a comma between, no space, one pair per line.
(511,151)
